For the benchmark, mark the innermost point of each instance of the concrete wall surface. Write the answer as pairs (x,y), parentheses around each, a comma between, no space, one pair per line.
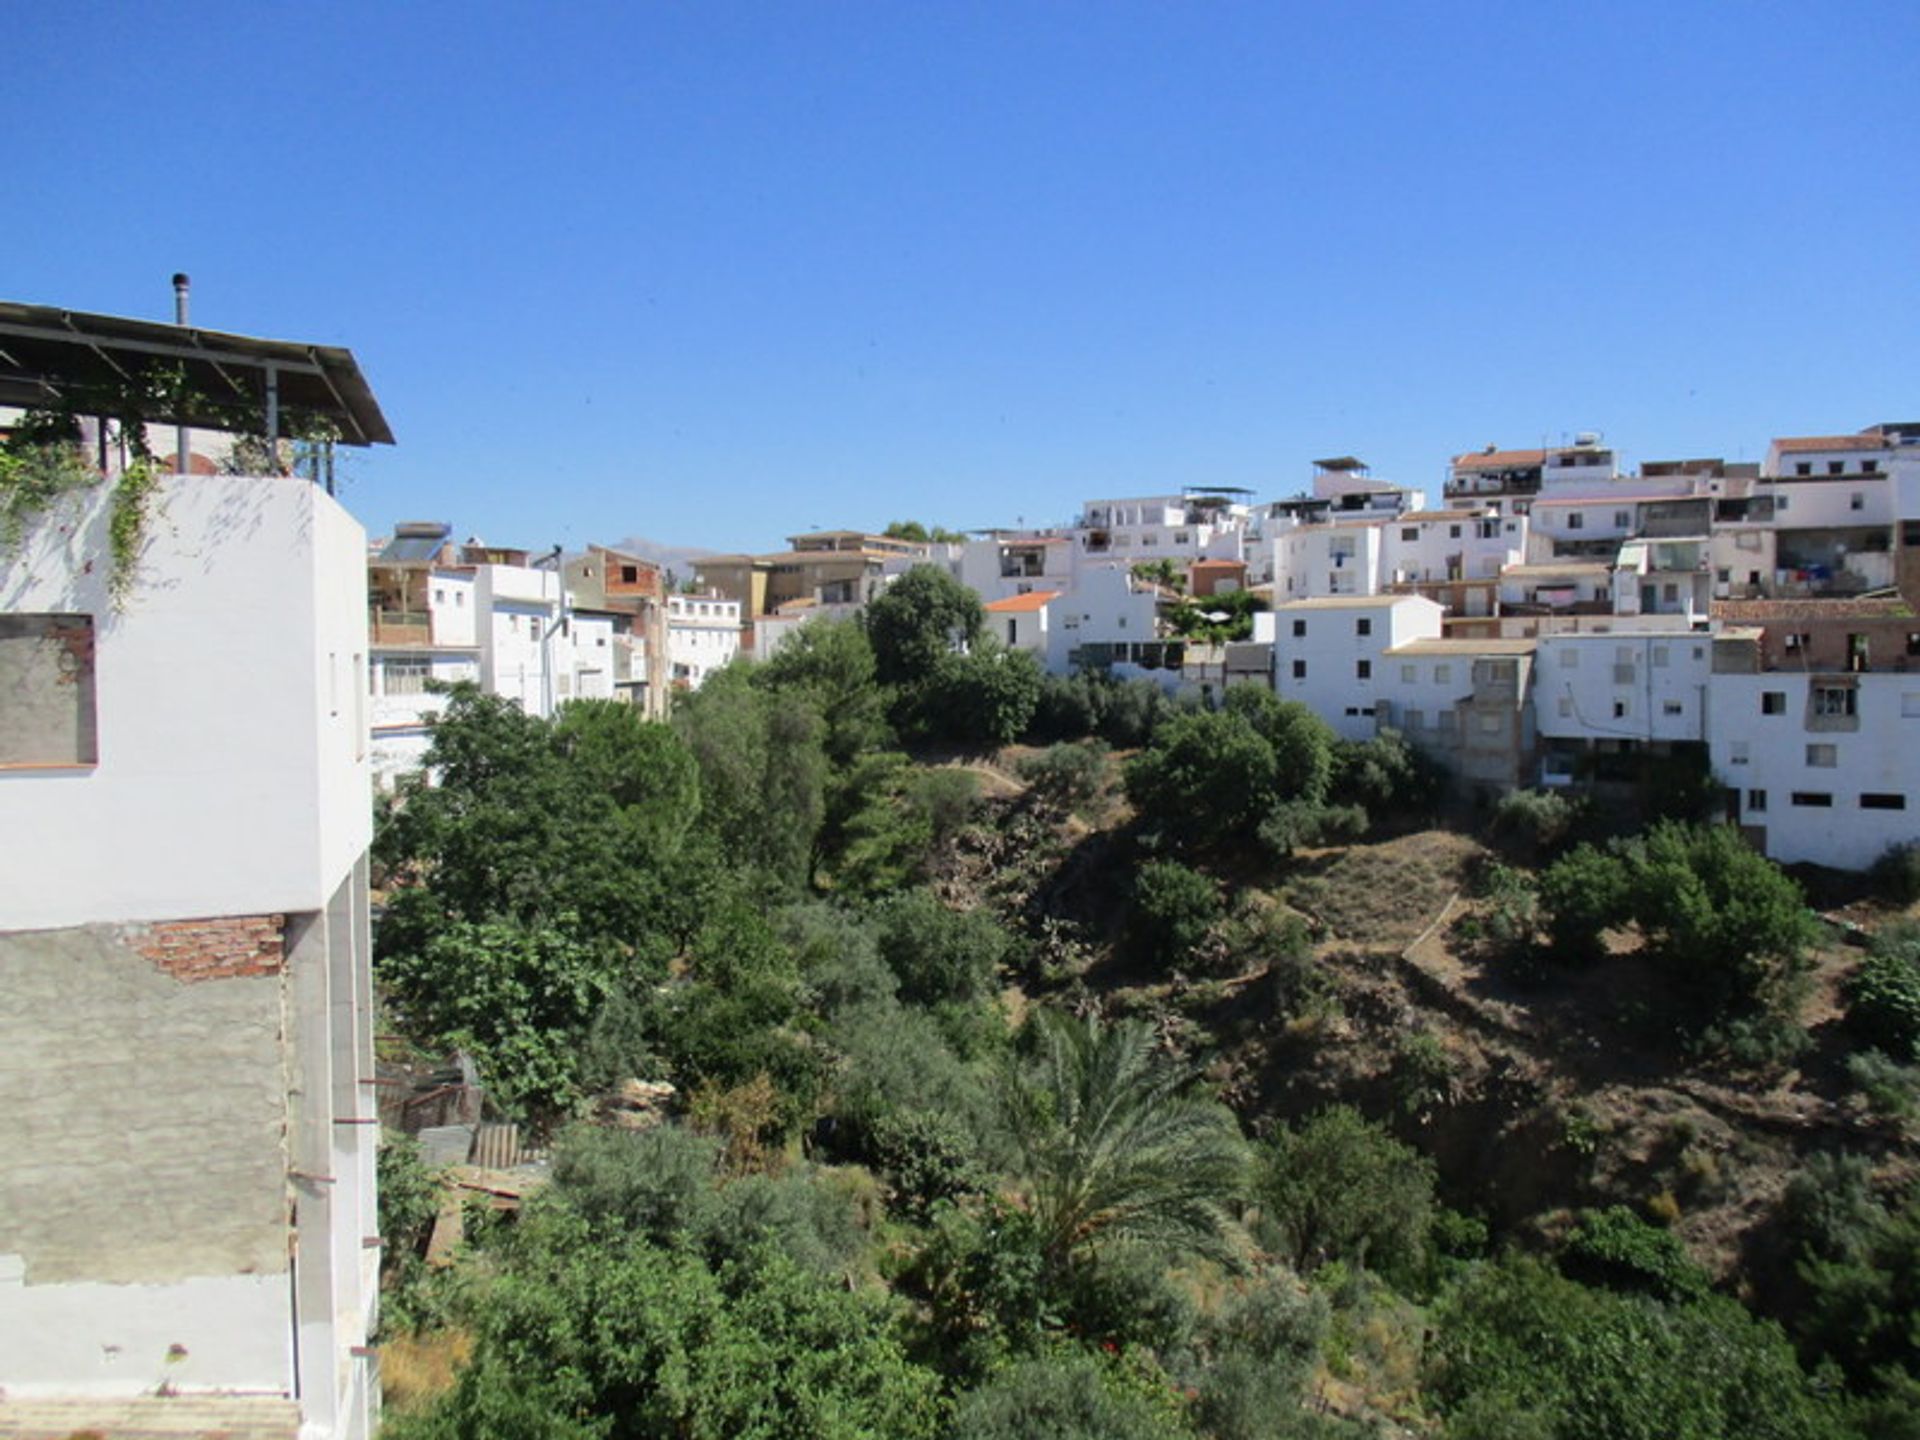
(230,689)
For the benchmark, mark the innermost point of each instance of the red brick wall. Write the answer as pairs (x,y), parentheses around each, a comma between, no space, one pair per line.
(224,948)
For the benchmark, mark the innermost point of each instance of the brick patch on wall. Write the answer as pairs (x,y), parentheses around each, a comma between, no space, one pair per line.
(225,948)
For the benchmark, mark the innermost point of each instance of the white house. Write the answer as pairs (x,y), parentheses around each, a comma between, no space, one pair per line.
(1161,527)
(1012,563)
(703,635)
(423,625)
(1618,691)
(1327,651)
(1107,621)
(187,1207)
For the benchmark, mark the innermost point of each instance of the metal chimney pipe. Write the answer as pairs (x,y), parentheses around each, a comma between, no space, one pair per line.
(183,450)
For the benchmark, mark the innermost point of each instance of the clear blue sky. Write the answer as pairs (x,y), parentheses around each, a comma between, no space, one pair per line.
(716,273)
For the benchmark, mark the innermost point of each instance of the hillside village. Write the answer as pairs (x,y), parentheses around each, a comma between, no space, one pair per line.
(1550,619)
(470,991)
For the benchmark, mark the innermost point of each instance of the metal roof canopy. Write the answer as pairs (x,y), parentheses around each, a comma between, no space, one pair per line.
(44,350)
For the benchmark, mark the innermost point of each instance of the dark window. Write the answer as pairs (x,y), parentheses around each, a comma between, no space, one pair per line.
(1453,532)
(1299,669)
(46,690)
(1773,702)
(1410,532)
(1831,701)
(1836,467)
(1805,467)
(1816,799)
(629,574)
(1363,627)
(1363,669)
(1299,629)
(1756,801)
(1885,801)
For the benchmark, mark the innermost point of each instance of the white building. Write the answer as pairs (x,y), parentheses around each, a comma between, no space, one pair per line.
(703,635)
(1162,527)
(187,1207)
(1010,563)
(1618,692)
(1327,652)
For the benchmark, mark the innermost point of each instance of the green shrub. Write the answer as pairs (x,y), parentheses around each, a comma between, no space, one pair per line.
(926,1157)
(1532,822)
(1897,873)
(1065,775)
(1884,993)
(1339,1187)
(939,954)
(1058,1397)
(1616,1248)
(1173,908)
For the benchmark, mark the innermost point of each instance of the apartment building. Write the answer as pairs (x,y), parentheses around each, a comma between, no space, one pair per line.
(703,635)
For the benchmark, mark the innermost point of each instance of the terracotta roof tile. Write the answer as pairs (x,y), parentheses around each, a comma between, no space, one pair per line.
(1500,460)
(1023,604)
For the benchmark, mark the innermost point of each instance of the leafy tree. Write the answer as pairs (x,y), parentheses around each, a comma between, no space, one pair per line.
(919,620)
(762,769)
(1162,572)
(1255,1356)
(986,697)
(519,999)
(1173,909)
(1112,1145)
(1207,779)
(1381,774)
(571,823)
(1194,618)
(1585,892)
(939,954)
(1303,744)
(1729,924)
(914,531)
(1338,1187)
(1532,823)
(830,663)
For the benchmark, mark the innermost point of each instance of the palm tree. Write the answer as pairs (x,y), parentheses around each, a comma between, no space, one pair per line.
(1113,1146)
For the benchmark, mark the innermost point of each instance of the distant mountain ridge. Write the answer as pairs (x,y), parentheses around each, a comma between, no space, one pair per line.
(676,558)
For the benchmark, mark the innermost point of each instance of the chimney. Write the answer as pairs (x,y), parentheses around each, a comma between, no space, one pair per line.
(182,449)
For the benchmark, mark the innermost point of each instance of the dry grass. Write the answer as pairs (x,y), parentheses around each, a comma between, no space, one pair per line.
(416,1370)
(1385,894)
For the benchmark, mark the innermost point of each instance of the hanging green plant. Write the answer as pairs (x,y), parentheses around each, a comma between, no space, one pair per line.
(42,462)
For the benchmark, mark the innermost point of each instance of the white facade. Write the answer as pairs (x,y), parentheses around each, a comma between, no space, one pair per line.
(1440,546)
(703,634)
(520,617)
(1159,527)
(1104,608)
(1327,560)
(184,931)
(1635,686)
(1000,566)
(1826,767)
(1327,653)
(409,664)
